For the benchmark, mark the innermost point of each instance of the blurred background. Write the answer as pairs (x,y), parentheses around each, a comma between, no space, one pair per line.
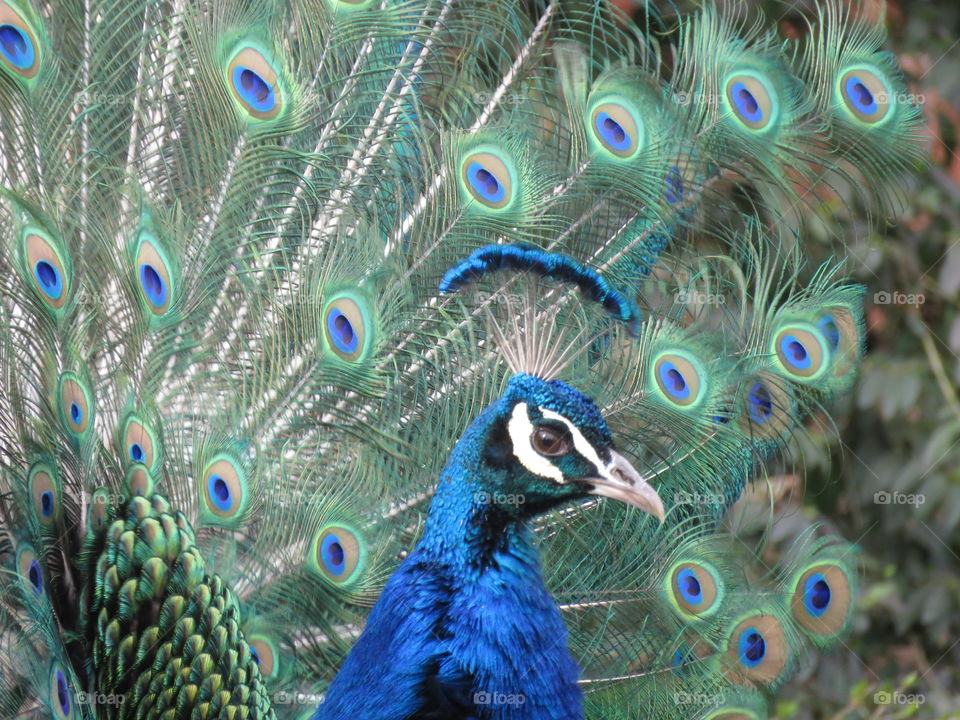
(885,472)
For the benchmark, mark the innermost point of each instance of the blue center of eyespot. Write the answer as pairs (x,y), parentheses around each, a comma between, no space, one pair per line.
(746,103)
(485,183)
(752,647)
(153,285)
(828,326)
(612,132)
(795,352)
(817,594)
(63,696)
(673,381)
(342,332)
(35,577)
(136,452)
(46,503)
(674,191)
(759,403)
(253,89)
(333,556)
(219,492)
(16,47)
(49,279)
(76,413)
(254,654)
(860,95)
(689,586)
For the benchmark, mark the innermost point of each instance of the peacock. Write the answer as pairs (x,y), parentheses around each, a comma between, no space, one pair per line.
(396,359)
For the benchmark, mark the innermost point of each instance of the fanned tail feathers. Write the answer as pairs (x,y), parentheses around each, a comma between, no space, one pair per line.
(229,376)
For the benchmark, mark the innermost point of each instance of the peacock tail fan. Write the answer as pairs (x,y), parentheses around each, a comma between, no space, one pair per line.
(232,367)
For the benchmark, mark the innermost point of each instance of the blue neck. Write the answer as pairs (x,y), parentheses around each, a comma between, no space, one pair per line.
(465,619)
(467,527)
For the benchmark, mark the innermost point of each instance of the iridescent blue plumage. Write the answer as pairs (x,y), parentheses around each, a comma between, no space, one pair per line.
(466,627)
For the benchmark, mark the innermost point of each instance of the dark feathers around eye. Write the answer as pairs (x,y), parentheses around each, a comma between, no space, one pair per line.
(498,450)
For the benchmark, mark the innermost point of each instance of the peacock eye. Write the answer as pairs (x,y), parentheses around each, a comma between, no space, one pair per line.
(551,442)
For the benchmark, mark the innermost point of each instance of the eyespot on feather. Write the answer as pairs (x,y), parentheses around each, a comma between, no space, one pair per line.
(45,493)
(347,326)
(19,50)
(839,327)
(766,406)
(153,275)
(264,652)
(98,512)
(139,443)
(821,600)
(224,493)
(674,188)
(489,178)
(679,379)
(76,405)
(694,588)
(758,646)
(616,128)
(138,481)
(337,554)
(253,81)
(752,100)
(865,94)
(46,267)
(802,351)
(30,572)
(61,693)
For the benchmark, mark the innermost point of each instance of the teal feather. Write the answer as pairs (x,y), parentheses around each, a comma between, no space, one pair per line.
(230,382)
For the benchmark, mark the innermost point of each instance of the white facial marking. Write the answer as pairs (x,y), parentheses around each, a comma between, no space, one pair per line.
(520,429)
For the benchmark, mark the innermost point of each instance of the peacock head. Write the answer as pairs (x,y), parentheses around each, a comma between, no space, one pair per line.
(548,444)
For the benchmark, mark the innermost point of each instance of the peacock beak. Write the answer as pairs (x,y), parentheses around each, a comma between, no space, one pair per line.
(622,482)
